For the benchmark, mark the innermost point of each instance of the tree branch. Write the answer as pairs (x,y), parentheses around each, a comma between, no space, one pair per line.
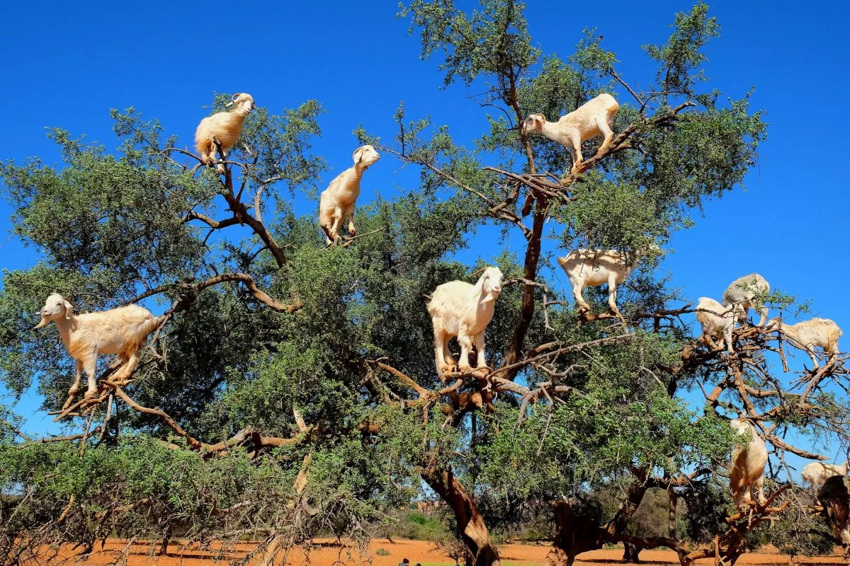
(188,292)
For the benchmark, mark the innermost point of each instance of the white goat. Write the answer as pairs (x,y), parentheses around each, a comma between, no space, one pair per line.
(463,310)
(746,293)
(808,334)
(337,201)
(225,127)
(592,268)
(593,118)
(817,473)
(121,331)
(717,321)
(746,470)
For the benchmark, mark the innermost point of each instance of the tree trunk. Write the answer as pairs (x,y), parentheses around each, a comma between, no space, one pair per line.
(634,495)
(631,553)
(166,538)
(671,519)
(575,535)
(617,525)
(526,314)
(473,530)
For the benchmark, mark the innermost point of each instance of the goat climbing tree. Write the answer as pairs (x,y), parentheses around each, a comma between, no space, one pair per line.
(291,390)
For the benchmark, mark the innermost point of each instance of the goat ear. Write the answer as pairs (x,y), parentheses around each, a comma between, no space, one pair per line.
(69,309)
(357,155)
(479,285)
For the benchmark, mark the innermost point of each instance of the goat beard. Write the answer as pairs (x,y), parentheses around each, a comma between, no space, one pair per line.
(43,322)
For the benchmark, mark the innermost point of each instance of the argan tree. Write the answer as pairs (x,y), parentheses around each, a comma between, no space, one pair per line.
(291,389)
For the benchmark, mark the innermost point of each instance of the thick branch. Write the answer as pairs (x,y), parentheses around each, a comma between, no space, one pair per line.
(240,212)
(421,391)
(258,294)
(781,444)
(239,438)
(190,290)
(532,259)
(214,224)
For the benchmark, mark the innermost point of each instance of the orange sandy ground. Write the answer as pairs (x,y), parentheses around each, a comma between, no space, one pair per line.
(325,553)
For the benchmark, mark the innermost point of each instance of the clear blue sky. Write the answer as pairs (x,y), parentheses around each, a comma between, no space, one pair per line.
(67,64)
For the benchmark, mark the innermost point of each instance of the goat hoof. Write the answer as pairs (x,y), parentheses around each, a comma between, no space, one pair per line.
(90,394)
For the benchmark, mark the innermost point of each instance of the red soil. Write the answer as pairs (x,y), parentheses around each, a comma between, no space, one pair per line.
(326,553)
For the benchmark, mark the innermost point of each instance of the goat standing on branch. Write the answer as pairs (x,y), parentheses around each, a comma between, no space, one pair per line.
(817,473)
(121,331)
(717,321)
(463,310)
(745,293)
(810,334)
(337,201)
(746,471)
(592,268)
(224,128)
(593,118)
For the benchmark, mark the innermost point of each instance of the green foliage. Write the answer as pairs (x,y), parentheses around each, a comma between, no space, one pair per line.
(417,526)
(111,226)
(651,518)
(707,503)
(104,216)
(798,532)
(680,58)
(486,42)
(150,483)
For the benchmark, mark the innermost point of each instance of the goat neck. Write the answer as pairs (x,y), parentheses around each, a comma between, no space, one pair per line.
(359,168)
(66,325)
(551,131)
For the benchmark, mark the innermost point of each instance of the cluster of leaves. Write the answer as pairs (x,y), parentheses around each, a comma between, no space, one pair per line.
(138,487)
(800,533)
